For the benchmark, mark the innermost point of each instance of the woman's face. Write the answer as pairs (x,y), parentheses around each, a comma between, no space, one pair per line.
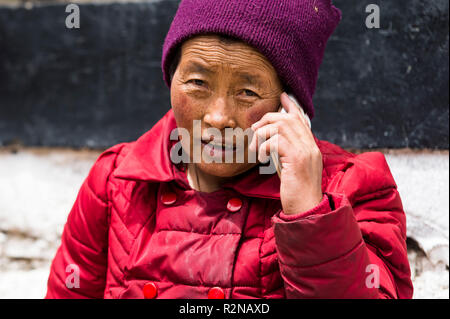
(223,85)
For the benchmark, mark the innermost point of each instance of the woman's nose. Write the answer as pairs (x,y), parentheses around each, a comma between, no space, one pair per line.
(219,115)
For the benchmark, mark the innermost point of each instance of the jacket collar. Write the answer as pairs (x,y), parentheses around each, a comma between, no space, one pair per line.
(149,161)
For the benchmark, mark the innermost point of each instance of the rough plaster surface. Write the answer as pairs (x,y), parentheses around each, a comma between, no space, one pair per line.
(38,188)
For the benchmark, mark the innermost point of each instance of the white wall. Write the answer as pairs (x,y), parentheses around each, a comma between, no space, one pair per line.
(38,188)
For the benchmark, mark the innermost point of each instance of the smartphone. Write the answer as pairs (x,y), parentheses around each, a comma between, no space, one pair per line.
(274,155)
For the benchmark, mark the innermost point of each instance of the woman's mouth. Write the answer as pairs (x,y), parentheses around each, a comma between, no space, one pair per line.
(218,150)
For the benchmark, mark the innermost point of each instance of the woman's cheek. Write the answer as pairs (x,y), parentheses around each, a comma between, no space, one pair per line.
(182,110)
(255,113)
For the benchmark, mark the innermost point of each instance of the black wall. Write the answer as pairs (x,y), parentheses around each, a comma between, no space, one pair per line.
(102,84)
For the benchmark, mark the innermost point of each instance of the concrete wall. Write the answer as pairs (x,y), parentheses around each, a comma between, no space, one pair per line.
(102,84)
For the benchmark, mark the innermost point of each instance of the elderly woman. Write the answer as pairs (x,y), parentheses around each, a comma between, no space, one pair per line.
(329,225)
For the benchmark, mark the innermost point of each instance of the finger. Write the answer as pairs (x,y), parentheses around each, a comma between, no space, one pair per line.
(289,105)
(262,134)
(271,145)
(269,118)
(276,143)
(292,108)
(288,130)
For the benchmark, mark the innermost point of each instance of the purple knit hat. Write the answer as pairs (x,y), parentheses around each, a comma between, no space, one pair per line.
(291,34)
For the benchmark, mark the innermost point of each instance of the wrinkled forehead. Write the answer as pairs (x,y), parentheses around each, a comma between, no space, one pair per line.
(208,52)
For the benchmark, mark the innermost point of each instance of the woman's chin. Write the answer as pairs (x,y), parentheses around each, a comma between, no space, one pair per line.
(224,170)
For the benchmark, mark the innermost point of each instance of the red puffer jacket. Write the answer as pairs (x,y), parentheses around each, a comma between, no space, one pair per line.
(138,230)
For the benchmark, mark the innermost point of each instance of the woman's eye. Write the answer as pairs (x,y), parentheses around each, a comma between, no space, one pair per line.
(250,93)
(197,82)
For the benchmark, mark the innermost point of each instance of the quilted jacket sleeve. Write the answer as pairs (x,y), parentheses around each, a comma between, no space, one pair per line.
(79,268)
(353,245)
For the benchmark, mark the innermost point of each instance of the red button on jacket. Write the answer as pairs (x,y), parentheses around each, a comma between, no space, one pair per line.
(234,204)
(150,290)
(168,198)
(216,293)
